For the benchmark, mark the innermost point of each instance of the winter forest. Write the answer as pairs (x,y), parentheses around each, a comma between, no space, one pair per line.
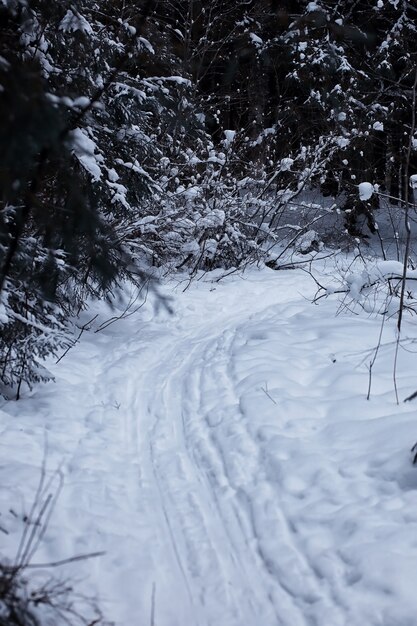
(208,265)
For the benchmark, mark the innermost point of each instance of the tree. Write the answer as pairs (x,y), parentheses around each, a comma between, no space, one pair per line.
(70,183)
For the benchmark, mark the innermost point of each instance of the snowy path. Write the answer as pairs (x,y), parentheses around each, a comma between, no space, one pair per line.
(229,464)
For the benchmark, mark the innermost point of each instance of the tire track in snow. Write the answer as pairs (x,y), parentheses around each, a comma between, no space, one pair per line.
(213,503)
(201,542)
(235,510)
(219,506)
(196,465)
(218,489)
(308,589)
(323,598)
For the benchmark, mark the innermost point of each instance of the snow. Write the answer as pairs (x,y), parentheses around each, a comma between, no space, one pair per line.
(82,102)
(413,181)
(85,150)
(74,21)
(365,191)
(256,39)
(378,126)
(308,241)
(342,142)
(213,219)
(286,164)
(229,137)
(191,193)
(145,44)
(226,460)
(179,80)
(380,271)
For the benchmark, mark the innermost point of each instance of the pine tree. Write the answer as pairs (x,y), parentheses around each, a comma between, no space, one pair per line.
(68,142)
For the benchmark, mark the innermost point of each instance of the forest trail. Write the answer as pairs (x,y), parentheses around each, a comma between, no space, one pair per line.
(227,461)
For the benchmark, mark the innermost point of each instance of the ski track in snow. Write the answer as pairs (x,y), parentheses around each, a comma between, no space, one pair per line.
(227,459)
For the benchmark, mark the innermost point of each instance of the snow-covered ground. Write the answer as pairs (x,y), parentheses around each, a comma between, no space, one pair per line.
(227,461)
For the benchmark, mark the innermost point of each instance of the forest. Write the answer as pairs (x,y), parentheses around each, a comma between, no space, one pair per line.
(207,312)
(185,135)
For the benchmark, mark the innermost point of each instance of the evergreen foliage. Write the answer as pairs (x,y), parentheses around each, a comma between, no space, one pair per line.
(178,134)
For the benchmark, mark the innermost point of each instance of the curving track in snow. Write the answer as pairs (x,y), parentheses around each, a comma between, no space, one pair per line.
(227,460)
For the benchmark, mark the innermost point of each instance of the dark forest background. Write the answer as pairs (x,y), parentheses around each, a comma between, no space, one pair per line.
(178,134)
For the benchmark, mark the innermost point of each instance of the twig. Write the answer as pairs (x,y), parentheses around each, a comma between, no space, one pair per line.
(372,361)
(409,398)
(408,231)
(407,205)
(80,557)
(38,493)
(265,390)
(74,342)
(128,311)
(49,507)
